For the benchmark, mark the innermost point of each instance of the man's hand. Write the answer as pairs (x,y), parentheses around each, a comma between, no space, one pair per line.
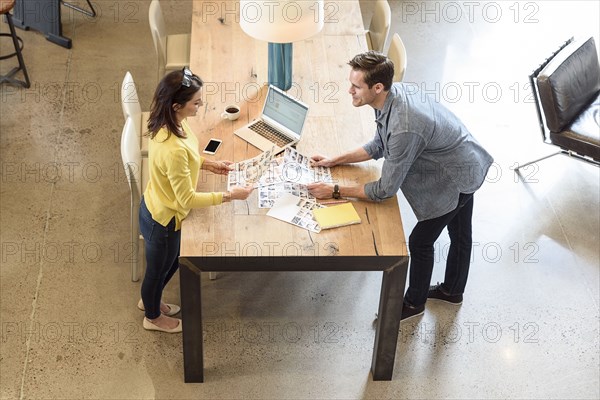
(321,161)
(217,167)
(357,155)
(321,190)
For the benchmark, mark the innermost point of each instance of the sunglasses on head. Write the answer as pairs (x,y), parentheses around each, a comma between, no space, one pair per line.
(187,77)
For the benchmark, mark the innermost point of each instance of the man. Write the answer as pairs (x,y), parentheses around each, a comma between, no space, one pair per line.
(428,154)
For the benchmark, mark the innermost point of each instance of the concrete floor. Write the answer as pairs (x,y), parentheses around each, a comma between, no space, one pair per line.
(70,328)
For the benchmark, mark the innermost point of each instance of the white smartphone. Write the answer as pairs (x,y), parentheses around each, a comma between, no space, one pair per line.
(212,146)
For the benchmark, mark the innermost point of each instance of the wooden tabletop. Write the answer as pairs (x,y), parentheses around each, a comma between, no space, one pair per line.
(233,66)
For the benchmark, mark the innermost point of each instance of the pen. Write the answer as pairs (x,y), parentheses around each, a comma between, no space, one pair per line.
(334,202)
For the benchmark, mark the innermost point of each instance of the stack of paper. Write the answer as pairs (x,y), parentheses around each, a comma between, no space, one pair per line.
(276,176)
(282,185)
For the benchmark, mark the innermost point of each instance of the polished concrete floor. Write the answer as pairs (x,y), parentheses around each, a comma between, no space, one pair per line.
(70,329)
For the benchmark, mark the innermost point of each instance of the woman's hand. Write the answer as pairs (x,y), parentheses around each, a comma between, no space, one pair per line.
(217,167)
(241,193)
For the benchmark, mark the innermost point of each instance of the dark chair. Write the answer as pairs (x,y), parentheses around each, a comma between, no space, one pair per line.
(566,90)
(5,7)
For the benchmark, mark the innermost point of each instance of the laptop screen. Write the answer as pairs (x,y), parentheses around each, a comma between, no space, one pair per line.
(285,110)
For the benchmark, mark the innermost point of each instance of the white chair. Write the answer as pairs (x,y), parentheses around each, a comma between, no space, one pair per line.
(131,108)
(397,53)
(136,172)
(380,26)
(173,51)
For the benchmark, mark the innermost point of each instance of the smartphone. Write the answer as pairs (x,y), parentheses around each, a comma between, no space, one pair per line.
(212,146)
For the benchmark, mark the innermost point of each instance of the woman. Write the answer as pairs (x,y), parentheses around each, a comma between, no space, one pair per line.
(174,164)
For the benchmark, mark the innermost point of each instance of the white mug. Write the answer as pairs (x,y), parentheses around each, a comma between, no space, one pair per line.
(232,112)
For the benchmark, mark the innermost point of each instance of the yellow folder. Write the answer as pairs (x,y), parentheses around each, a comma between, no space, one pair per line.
(338,215)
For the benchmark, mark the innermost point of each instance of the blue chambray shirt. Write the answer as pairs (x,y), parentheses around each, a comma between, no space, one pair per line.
(428,153)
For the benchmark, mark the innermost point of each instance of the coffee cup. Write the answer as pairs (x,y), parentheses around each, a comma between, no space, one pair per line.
(232,112)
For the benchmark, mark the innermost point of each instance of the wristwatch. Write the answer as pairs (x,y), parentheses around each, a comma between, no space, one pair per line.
(336,191)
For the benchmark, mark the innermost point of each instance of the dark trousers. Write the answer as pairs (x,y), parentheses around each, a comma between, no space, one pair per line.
(420,244)
(162,259)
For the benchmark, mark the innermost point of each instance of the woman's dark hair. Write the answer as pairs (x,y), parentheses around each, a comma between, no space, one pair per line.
(377,68)
(177,87)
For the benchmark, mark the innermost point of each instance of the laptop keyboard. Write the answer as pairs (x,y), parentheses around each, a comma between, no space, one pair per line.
(269,133)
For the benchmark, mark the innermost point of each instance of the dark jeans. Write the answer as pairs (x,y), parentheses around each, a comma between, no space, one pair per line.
(162,259)
(421,242)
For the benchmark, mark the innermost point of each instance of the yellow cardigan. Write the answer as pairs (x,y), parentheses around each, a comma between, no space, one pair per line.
(174,168)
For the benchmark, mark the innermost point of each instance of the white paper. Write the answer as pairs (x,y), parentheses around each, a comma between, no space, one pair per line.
(268,194)
(296,211)
(296,168)
(249,172)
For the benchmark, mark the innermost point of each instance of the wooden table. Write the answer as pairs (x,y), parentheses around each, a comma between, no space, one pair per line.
(239,236)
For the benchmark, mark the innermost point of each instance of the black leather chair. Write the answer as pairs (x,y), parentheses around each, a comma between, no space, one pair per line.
(566,90)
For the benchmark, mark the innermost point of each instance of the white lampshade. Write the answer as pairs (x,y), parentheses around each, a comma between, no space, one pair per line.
(282,21)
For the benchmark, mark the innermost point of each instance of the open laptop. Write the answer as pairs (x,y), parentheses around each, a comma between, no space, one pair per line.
(279,125)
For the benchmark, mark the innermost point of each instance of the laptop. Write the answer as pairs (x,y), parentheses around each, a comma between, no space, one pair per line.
(279,125)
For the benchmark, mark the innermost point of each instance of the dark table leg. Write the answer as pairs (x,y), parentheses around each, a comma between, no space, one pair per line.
(388,321)
(191,314)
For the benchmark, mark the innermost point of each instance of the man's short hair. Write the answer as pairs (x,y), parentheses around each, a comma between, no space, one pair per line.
(377,68)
